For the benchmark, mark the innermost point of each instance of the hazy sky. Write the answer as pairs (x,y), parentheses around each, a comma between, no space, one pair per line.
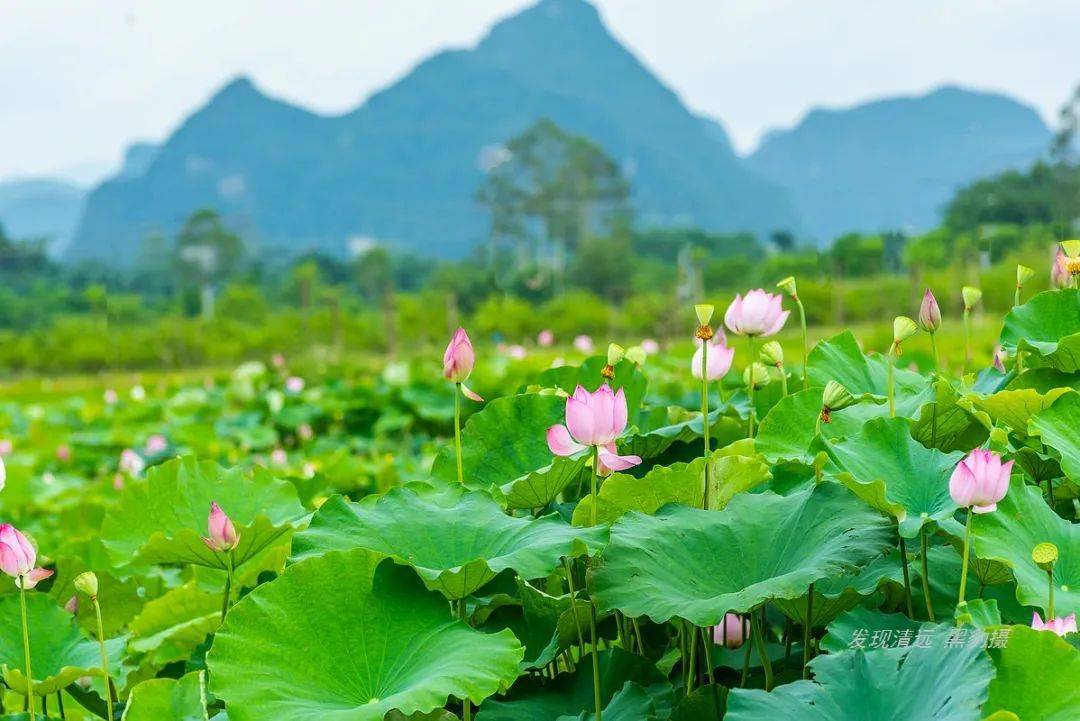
(80,80)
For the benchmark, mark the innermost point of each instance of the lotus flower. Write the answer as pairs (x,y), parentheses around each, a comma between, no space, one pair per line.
(6,447)
(156,444)
(1059,625)
(718,360)
(999,359)
(111,397)
(593,420)
(18,558)
(545,339)
(757,314)
(929,313)
(278,360)
(734,627)
(305,432)
(650,346)
(294,384)
(279,457)
(1059,271)
(583,344)
(516,351)
(223,535)
(138,394)
(131,462)
(980,481)
(458,362)
(63,453)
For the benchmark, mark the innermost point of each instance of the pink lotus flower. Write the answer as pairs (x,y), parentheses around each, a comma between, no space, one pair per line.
(6,447)
(517,352)
(1059,271)
(929,313)
(279,457)
(18,558)
(545,339)
(305,432)
(593,420)
(131,462)
(999,359)
(111,397)
(72,605)
(278,360)
(737,629)
(223,535)
(294,384)
(458,362)
(718,360)
(156,444)
(63,453)
(757,314)
(980,481)
(650,346)
(1059,625)
(583,344)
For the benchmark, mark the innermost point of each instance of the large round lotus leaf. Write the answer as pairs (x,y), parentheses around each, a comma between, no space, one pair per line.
(682,483)
(657,429)
(1059,427)
(890,470)
(839,359)
(59,652)
(628,376)
(1037,676)
(937,683)
(836,594)
(1023,520)
(790,430)
(698,565)
(163,518)
(347,638)
(571,694)
(1015,408)
(948,422)
(167,699)
(1048,325)
(456,547)
(869,629)
(172,626)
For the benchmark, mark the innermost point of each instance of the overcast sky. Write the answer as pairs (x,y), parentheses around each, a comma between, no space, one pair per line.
(81,80)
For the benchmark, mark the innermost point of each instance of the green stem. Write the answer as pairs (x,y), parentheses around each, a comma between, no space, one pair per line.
(1016,296)
(926,575)
(573,602)
(691,675)
(937,372)
(595,662)
(1050,603)
(705,415)
(783,380)
(964,562)
(891,381)
(907,577)
(967,339)
(104,658)
(805,345)
(227,592)
(763,653)
(640,638)
(806,632)
(466,705)
(750,385)
(457,431)
(705,643)
(593,483)
(26,652)
(746,656)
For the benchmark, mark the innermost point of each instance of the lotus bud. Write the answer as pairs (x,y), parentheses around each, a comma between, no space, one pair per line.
(929,313)
(615,353)
(772,353)
(223,535)
(1059,272)
(980,480)
(902,329)
(788,286)
(1061,626)
(87,583)
(1045,555)
(732,631)
(756,373)
(636,355)
(72,605)
(458,359)
(1023,275)
(999,359)
(972,296)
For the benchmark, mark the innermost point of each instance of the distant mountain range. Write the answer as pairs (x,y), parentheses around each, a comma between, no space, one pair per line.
(403,167)
(38,208)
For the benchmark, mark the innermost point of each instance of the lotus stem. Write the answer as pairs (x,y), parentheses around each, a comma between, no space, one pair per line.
(746,658)
(926,574)
(891,381)
(573,602)
(593,483)
(595,662)
(26,652)
(1016,296)
(937,373)
(640,638)
(60,704)
(750,385)
(105,657)
(457,432)
(705,415)
(1050,602)
(691,667)
(227,592)
(466,705)
(907,576)
(967,339)
(759,640)
(705,643)
(805,345)
(806,631)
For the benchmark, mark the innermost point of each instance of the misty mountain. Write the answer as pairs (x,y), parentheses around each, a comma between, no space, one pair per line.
(41,208)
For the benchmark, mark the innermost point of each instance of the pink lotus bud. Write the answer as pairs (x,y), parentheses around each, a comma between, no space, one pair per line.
(458,360)
(18,558)
(732,631)
(308,470)
(718,360)
(63,453)
(593,420)
(999,359)
(305,432)
(757,314)
(294,384)
(583,344)
(980,481)
(1059,271)
(650,346)
(72,605)
(223,535)
(929,313)
(1060,626)
(545,339)
(156,444)
(131,462)
(278,360)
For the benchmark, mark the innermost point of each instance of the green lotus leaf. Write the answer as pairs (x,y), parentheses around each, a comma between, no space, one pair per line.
(948,422)
(1039,467)
(167,699)
(345,637)
(944,565)
(869,629)
(979,612)
(1049,326)
(682,483)
(163,518)
(790,430)
(1036,677)
(120,600)
(534,617)
(59,652)
(571,694)
(455,547)
(897,684)
(840,359)
(657,429)
(890,470)
(1015,408)
(172,626)
(1023,520)
(836,594)
(630,703)
(698,565)
(1057,427)
(628,376)
(706,703)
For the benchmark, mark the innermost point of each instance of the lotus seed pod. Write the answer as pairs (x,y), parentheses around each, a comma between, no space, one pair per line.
(788,286)
(903,328)
(1045,555)
(87,583)
(836,397)
(772,354)
(972,296)
(1023,274)
(704,313)
(759,375)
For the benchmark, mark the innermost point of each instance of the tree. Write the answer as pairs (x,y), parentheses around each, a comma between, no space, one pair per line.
(207,253)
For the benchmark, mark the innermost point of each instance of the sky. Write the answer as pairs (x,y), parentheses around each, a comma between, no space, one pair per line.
(81,81)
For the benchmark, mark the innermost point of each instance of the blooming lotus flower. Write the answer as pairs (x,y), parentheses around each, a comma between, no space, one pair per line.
(1059,271)
(223,535)
(18,558)
(1060,626)
(757,314)
(72,605)
(545,339)
(929,313)
(980,481)
(718,360)
(734,627)
(458,362)
(156,444)
(294,384)
(583,344)
(593,420)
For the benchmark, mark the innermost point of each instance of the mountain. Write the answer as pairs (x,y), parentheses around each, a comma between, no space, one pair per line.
(41,208)
(894,164)
(403,167)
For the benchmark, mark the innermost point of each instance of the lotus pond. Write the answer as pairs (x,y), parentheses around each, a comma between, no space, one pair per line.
(749,531)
